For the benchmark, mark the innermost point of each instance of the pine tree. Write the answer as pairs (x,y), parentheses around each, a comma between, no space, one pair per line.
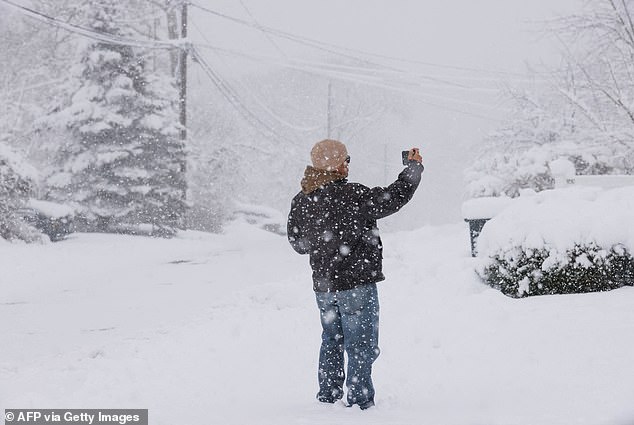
(124,161)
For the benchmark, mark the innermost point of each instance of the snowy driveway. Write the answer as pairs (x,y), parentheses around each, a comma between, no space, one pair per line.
(223,329)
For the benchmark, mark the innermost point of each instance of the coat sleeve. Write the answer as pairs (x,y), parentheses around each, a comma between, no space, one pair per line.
(294,229)
(380,202)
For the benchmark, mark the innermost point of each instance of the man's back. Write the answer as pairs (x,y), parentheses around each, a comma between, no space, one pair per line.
(336,225)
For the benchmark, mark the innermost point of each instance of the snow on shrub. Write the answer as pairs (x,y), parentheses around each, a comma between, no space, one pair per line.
(561,241)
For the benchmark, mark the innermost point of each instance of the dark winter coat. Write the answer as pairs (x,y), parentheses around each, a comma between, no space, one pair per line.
(335,223)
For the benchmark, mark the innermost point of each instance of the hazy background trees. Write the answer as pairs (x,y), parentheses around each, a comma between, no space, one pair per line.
(582,111)
(99,120)
(249,133)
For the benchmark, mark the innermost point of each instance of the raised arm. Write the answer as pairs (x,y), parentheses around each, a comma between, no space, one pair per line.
(380,202)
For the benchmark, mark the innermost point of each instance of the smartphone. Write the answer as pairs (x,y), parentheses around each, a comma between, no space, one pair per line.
(405,155)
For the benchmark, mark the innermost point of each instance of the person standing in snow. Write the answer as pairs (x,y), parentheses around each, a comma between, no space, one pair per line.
(335,222)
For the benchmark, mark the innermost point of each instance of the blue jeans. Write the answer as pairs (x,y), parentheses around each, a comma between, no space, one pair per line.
(350,322)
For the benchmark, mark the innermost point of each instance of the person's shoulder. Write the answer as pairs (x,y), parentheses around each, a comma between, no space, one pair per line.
(355,190)
(299,197)
(357,186)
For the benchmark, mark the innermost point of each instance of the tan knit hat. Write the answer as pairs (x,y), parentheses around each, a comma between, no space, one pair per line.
(328,154)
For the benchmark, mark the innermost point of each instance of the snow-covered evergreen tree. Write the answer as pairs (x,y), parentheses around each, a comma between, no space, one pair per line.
(123,162)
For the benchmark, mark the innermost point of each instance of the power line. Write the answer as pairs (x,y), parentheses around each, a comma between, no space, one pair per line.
(377,67)
(267,35)
(388,75)
(92,34)
(282,34)
(329,46)
(160,44)
(423,97)
(379,85)
(231,96)
(221,84)
(111,38)
(384,86)
(268,109)
(328,70)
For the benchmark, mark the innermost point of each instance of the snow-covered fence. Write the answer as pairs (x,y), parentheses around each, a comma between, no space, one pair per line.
(563,172)
(604,181)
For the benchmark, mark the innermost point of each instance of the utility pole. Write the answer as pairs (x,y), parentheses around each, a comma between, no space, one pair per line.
(182,92)
(183,74)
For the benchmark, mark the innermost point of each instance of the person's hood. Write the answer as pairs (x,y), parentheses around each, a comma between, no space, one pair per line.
(315,178)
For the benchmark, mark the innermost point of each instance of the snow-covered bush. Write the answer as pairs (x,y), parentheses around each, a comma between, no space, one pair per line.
(561,241)
(16,183)
(583,268)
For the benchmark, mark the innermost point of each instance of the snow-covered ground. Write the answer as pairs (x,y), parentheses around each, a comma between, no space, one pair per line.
(223,329)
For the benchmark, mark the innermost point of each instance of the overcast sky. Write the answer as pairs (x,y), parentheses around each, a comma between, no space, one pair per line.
(455,38)
(496,34)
